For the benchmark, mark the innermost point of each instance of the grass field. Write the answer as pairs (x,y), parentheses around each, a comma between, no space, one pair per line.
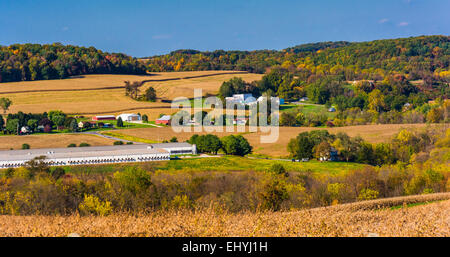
(307,109)
(233,163)
(51,140)
(340,220)
(226,163)
(371,133)
(103,94)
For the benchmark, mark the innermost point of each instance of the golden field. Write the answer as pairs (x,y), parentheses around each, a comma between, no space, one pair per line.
(104,94)
(357,219)
(371,133)
(51,140)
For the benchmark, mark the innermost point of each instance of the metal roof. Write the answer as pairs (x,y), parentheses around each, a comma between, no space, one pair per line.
(79,152)
(172,145)
(165,117)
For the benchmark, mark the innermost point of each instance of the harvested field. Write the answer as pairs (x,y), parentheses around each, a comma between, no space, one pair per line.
(55,140)
(371,133)
(104,94)
(426,220)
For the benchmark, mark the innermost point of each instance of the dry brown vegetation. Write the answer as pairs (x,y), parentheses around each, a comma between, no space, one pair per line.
(55,140)
(357,219)
(99,94)
(371,133)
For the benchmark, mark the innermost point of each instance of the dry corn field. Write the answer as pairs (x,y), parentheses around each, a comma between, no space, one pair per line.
(357,219)
(371,133)
(104,94)
(49,141)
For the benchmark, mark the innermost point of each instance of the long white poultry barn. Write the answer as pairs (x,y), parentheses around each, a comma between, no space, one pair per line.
(96,154)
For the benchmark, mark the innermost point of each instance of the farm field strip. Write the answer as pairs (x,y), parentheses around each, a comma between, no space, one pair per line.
(104,94)
(51,140)
(114,87)
(371,133)
(419,221)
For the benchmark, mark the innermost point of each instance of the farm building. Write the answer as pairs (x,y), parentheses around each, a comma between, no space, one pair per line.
(97,154)
(279,100)
(164,120)
(129,117)
(104,117)
(240,121)
(177,148)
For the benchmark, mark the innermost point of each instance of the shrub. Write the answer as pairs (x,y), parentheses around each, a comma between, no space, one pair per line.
(84,145)
(129,143)
(25,146)
(367,194)
(92,205)
(273,194)
(9,173)
(57,173)
(335,190)
(72,145)
(278,169)
(181,202)
(133,179)
(118,143)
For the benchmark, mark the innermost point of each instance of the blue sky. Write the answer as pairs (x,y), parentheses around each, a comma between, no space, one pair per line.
(152,27)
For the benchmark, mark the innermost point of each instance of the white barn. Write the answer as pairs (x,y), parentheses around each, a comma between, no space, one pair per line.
(129,117)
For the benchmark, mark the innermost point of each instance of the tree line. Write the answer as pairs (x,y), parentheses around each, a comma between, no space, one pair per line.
(421,57)
(231,145)
(24,62)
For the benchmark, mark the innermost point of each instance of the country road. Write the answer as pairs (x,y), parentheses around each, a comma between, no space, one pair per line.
(109,137)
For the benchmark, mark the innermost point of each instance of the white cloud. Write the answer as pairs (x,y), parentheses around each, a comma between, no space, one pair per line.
(383,20)
(65,29)
(403,23)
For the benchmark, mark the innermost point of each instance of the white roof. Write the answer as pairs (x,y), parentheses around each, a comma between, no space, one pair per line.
(165,117)
(79,152)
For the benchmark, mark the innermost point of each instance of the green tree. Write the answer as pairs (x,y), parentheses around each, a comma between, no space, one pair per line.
(150,94)
(73,125)
(236,145)
(2,123)
(301,146)
(12,126)
(119,122)
(213,143)
(59,120)
(32,124)
(5,103)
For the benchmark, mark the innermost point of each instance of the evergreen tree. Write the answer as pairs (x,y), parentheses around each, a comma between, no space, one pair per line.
(119,122)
